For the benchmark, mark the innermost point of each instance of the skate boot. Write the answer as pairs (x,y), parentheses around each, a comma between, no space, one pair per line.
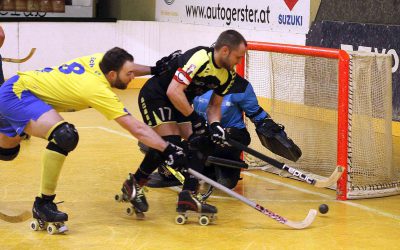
(132,192)
(47,217)
(189,204)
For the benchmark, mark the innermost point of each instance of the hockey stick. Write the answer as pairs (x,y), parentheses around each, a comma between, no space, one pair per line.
(15,218)
(293,224)
(21,60)
(331,180)
(225,162)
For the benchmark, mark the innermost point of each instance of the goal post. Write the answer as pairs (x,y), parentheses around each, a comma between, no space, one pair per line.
(335,105)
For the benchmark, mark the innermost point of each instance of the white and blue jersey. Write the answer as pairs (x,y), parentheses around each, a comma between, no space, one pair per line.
(240,98)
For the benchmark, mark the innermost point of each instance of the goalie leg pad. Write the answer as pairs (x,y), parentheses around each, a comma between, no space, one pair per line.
(274,138)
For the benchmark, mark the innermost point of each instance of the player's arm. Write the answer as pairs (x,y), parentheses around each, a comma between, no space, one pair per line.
(176,94)
(249,104)
(142,132)
(214,108)
(141,70)
(2,36)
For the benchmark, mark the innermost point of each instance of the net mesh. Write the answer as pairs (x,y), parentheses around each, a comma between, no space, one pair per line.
(301,92)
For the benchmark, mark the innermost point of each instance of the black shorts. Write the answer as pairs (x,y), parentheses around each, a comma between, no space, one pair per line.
(155,106)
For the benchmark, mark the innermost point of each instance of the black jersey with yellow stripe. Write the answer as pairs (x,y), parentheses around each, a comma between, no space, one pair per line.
(197,69)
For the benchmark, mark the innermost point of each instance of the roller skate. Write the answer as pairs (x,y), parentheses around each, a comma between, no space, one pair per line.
(132,192)
(190,205)
(47,217)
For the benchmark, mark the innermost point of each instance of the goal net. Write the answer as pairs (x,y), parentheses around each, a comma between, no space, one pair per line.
(336,105)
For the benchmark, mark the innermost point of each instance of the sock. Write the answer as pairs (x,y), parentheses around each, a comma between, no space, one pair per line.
(52,163)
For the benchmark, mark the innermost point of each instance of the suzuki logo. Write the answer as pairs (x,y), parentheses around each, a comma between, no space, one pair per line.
(291,3)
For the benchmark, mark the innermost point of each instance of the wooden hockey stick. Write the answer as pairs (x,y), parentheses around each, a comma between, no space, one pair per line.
(331,180)
(293,224)
(21,60)
(15,218)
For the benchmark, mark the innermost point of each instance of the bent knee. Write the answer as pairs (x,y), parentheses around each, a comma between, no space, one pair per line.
(64,138)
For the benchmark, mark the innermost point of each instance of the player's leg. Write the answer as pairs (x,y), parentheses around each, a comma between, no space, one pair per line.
(28,114)
(226,176)
(63,138)
(199,147)
(158,113)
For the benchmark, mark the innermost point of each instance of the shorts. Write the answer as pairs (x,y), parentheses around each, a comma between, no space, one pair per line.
(155,106)
(16,112)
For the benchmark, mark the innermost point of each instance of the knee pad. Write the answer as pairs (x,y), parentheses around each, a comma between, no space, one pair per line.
(64,138)
(9,154)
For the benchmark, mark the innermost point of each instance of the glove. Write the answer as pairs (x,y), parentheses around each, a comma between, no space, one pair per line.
(199,124)
(269,125)
(218,135)
(164,64)
(175,157)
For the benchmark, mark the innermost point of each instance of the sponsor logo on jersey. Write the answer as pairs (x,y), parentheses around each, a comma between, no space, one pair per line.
(191,68)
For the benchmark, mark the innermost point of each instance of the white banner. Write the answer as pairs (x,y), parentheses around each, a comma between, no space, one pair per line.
(286,16)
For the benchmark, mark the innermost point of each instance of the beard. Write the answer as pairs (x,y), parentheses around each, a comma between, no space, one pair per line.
(119,84)
(225,63)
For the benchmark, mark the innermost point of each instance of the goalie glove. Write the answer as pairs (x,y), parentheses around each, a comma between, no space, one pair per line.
(165,64)
(273,136)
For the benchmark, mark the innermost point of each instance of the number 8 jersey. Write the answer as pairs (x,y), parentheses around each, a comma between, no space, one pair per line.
(75,85)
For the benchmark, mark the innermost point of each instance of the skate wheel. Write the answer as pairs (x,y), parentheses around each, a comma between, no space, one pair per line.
(51,229)
(130,211)
(35,225)
(180,219)
(118,198)
(63,228)
(204,220)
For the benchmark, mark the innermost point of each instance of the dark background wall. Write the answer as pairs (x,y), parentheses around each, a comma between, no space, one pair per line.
(360,11)
(137,10)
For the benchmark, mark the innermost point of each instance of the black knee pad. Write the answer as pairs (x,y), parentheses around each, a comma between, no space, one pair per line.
(9,154)
(64,138)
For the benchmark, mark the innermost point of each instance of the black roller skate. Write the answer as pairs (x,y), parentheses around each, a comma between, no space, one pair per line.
(47,217)
(189,204)
(132,192)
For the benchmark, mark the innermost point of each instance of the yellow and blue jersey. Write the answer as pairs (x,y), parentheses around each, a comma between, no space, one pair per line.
(75,85)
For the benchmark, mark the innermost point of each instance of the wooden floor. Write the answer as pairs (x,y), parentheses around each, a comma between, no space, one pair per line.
(94,172)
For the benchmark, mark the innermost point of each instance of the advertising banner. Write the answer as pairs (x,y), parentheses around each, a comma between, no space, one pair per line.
(286,16)
(362,37)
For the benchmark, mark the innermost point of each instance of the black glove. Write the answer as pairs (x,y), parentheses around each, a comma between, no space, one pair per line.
(164,64)
(218,135)
(199,124)
(175,157)
(269,125)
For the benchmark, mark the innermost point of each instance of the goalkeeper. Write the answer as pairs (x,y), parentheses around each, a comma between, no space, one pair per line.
(240,98)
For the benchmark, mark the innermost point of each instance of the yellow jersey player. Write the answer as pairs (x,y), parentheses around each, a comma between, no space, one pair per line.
(165,105)
(30,102)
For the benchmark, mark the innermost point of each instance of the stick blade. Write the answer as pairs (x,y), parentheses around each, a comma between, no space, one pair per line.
(24,216)
(15,60)
(331,180)
(305,223)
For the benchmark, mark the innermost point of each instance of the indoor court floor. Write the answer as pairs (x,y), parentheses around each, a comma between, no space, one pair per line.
(94,173)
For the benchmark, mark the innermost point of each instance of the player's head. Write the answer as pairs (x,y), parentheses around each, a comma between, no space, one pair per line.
(117,65)
(230,48)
